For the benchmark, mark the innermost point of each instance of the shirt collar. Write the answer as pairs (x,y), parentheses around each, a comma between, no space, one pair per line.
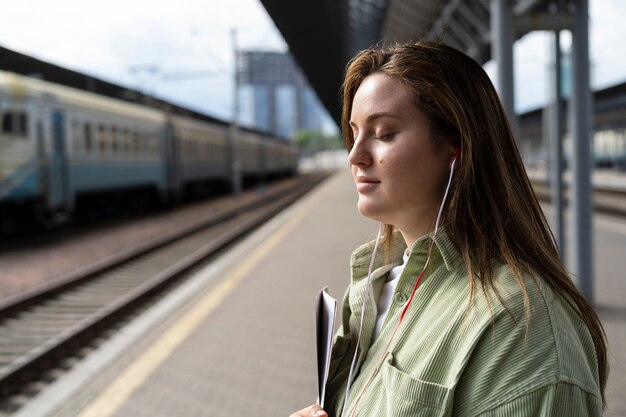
(360,259)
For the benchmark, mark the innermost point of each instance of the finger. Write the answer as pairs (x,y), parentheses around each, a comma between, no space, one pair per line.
(311,411)
(316,411)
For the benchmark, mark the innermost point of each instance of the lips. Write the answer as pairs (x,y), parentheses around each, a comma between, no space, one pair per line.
(364,184)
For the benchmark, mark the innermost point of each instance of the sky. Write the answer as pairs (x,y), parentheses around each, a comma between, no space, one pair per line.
(182,51)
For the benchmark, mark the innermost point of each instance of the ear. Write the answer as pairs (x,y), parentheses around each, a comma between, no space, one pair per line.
(456,155)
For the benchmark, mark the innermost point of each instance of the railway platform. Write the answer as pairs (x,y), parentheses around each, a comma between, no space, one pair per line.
(239,337)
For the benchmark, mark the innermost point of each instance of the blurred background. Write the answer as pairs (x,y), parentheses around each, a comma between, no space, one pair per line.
(141,143)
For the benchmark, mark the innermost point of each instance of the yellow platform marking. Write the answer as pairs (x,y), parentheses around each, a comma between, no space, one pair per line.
(116,394)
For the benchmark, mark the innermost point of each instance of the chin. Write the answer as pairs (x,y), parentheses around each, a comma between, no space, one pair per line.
(370,211)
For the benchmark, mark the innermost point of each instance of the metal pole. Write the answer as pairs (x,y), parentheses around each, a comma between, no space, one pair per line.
(234,124)
(581,160)
(556,144)
(621,162)
(502,52)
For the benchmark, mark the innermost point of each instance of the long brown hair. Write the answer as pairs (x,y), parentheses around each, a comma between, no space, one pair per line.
(492,211)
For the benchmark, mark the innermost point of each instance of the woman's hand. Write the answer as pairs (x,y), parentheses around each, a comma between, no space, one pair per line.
(311,411)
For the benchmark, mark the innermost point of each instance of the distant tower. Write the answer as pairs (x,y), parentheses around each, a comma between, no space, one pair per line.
(566,73)
(274,95)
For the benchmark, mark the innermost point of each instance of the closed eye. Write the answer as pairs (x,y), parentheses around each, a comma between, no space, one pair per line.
(386,136)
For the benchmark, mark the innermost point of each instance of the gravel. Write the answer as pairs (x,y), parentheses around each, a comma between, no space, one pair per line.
(31,261)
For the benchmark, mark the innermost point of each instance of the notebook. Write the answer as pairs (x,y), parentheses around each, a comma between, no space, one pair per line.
(325,312)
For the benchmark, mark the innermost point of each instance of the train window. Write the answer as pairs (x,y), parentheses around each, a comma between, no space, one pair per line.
(114,139)
(101,138)
(15,123)
(88,138)
(23,125)
(135,141)
(155,143)
(143,142)
(7,123)
(76,139)
(125,140)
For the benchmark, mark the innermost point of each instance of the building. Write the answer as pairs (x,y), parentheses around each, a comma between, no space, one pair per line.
(274,95)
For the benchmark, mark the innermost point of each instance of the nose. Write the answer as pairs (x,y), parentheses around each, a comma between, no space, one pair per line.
(359,154)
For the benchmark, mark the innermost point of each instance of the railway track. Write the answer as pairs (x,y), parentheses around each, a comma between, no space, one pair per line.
(43,328)
(604,200)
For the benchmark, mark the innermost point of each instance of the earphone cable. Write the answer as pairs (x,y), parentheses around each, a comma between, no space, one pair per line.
(415,286)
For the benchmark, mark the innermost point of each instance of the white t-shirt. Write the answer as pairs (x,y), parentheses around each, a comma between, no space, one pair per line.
(386,294)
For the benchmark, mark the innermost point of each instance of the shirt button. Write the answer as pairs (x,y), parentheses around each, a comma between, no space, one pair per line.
(399,297)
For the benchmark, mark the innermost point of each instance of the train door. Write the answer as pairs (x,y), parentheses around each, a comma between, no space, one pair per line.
(40,151)
(262,152)
(172,163)
(58,191)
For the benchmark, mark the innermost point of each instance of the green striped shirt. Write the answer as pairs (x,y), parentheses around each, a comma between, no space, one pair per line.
(451,360)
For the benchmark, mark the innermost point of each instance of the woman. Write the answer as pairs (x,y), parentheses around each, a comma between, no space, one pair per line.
(467,309)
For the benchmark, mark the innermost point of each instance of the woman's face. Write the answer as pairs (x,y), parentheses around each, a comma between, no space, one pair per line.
(400,173)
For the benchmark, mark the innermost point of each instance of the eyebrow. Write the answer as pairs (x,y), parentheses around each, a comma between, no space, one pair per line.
(378,115)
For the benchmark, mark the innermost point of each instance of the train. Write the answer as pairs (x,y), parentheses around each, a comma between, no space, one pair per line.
(60,144)
(607,141)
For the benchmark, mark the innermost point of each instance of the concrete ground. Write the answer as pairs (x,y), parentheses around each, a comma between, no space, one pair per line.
(245,345)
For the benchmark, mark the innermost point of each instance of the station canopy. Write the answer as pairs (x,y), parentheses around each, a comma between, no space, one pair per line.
(324,34)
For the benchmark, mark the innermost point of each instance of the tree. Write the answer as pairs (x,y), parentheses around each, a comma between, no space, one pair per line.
(311,142)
